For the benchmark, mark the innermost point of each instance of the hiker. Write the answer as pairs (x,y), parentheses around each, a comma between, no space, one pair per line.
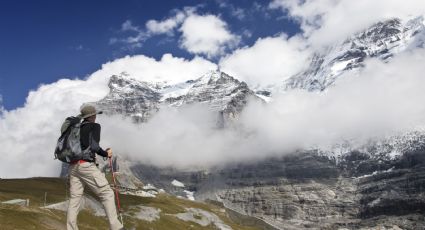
(84,172)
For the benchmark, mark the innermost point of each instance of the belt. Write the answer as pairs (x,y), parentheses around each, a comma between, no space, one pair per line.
(78,162)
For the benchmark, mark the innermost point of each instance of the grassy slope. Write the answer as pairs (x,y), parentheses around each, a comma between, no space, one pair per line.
(34,217)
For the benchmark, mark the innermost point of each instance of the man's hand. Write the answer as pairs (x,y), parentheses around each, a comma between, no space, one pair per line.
(109,151)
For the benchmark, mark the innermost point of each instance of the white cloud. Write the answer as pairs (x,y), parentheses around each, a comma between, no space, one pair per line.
(166,26)
(184,137)
(168,68)
(28,134)
(128,26)
(269,61)
(1,106)
(237,12)
(134,41)
(328,21)
(153,27)
(131,42)
(206,34)
(386,98)
(200,34)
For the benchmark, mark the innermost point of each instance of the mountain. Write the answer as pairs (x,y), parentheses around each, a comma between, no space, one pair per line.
(382,40)
(375,185)
(130,97)
(140,100)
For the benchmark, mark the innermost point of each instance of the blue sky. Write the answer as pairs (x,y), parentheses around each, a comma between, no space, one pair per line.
(43,41)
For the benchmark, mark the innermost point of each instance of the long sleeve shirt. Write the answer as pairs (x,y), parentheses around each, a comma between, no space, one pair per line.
(91,129)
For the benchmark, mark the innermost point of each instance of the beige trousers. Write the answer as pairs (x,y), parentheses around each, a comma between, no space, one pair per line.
(88,174)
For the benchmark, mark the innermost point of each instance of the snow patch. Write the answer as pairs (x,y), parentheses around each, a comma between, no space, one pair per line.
(20,202)
(146,193)
(189,194)
(265,98)
(376,173)
(149,214)
(175,90)
(339,66)
(177,183)
(149,187)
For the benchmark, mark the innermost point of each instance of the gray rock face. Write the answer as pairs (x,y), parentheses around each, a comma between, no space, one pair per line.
(297,204)
(220,92)
(130,97)
(309,191)
(382,40)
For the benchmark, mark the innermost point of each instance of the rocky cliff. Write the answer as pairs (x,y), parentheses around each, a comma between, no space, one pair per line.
(308,191)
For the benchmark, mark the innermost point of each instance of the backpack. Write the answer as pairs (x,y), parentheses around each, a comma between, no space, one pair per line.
(68,147)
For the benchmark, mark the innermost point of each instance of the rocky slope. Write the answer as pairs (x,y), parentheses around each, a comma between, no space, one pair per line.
(309,191)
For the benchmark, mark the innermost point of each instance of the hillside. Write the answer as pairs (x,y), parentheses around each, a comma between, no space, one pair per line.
(161,212)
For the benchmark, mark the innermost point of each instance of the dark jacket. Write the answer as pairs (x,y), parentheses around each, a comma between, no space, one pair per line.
(91,130)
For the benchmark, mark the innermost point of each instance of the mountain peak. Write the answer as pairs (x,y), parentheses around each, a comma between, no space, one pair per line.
(138,99)
(216,77)
(382,40)
(381,30)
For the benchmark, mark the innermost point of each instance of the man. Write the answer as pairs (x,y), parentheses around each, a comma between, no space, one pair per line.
(84,172)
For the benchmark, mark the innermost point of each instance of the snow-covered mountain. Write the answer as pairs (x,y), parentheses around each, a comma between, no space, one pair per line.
(220,92)
(382,40)
(130,97)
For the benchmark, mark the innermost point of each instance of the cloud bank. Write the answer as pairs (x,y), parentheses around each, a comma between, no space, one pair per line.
(28,134)
(385,99)
(268,62)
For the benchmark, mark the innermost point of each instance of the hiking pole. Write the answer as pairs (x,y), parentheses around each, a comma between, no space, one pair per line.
(116,189)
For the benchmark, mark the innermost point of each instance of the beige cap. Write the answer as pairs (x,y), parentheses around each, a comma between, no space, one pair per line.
(88,111)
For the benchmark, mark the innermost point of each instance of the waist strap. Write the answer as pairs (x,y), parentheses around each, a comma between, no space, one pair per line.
(78,162)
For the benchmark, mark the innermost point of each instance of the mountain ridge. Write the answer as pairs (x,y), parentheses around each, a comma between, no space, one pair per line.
(382,40)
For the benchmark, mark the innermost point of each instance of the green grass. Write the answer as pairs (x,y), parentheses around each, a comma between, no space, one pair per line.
(33,189)
(22,218)
(34,217)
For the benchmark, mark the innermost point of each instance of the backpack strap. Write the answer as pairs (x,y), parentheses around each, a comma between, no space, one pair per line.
(89,148)
(69,122)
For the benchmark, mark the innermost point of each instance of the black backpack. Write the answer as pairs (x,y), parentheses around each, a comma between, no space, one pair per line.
(68,147)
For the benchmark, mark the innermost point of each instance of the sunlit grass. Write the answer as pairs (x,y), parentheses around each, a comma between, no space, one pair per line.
(35,217)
